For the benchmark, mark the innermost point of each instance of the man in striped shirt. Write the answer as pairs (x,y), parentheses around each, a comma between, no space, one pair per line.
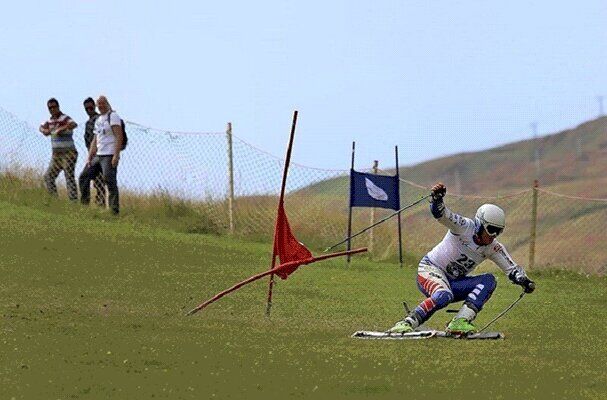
(60,128)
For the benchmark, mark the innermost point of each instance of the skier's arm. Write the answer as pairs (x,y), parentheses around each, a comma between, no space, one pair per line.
(515,272)
(456,223)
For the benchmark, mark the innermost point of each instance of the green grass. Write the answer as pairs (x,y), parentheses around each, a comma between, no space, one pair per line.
(93,308)
(158,209)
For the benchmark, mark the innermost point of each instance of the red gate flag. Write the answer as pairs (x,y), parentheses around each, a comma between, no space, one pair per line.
(290,251)
(286,246)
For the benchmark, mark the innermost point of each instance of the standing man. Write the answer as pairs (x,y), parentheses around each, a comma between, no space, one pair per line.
(104,154)
(89,136)
(60,128)
(442,275)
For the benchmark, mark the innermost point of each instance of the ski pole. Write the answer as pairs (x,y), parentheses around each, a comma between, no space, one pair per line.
(503,312)
(379,222)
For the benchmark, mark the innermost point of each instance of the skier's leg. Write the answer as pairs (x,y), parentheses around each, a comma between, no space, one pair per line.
(433,283)
(475,291)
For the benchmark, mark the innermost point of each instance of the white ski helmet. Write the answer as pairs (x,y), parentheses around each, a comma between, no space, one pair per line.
(492,218)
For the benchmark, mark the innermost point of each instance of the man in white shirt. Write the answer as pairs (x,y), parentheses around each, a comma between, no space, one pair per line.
(104,154)
(443,273)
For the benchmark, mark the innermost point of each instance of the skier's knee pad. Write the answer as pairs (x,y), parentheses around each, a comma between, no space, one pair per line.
(482,291)
(490,283)
(439,299)
(442,298)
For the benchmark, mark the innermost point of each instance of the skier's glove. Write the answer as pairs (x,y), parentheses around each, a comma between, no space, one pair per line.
(438,191)
(520,279)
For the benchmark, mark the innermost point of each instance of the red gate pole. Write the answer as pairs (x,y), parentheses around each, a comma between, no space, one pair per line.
(280,204)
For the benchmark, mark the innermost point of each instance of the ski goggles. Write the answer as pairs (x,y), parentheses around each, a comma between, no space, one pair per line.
(494,230)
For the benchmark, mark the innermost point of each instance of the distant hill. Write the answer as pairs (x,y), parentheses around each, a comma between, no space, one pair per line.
(572,161)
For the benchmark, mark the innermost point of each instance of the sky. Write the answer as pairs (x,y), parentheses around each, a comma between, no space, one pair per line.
(434,78)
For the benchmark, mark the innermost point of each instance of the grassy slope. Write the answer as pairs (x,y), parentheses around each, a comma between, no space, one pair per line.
(93,308)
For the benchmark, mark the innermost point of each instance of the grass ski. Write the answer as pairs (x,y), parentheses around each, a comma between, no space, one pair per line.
(389,335)
(426,334)
(472,336)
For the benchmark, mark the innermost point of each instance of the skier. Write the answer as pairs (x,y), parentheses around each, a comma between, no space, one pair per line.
(442,275)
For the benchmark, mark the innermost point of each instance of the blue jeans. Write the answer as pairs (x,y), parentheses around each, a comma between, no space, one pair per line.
(101,165)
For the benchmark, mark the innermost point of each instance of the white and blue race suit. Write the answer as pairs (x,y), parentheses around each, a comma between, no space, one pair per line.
(443,272)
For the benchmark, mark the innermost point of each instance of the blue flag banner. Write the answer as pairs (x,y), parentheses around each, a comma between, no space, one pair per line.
(368,190)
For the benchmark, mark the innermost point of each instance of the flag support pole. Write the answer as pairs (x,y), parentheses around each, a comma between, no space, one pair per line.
(280,204)
(271,271)
(349,245)
(400,235)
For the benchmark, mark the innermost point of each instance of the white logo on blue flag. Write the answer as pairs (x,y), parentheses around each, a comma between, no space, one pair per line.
(375,191)
(368,190)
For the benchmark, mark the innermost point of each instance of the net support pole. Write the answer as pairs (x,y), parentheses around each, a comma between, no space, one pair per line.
(230,178)
(372,218)
(280,204)
(533,232)
(400,234)
(349,243)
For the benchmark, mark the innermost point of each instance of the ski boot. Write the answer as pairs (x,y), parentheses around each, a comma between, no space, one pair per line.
(403,326)
(460,327)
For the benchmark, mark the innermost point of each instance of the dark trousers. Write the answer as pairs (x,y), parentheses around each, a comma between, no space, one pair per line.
(64,160)
(99,185)
(100,192)
(100,165)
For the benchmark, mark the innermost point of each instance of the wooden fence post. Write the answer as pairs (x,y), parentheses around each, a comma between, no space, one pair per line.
(230,178)
(533,233)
